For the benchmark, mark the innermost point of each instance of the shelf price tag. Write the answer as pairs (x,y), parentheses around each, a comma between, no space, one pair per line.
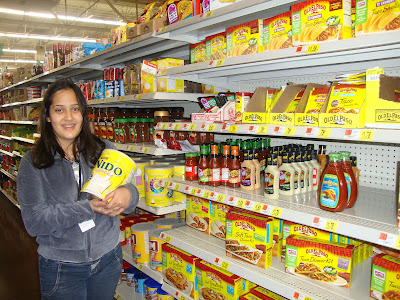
(177,187)
(313,48)
(192,127)
(177,126)
(232,201)
(118,297)
(319,222)
(140,267)
(145,150)
(220,198)
(206,194)
(253,129)
(366,135)
(351,134)
(166,183)
(164,126)
(167,239)
(298,296)
(289,131)
(389,240)
(324,133)
(278,130)
(203,127)
(331,225)
(276,212)
(213,196)
(262,130)
(185,126)
(257,207)
(240,203)
(221,263)
(225,128)
(220,62)
(182,297)
(211,127)
(193,191)
(311,132)
(233,128)
(249,205)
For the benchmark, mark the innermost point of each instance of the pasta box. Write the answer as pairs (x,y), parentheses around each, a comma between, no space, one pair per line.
(385,277)
(320,260)
(179,270)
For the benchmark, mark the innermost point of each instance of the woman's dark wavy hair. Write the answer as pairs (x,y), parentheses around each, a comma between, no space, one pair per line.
(47,146)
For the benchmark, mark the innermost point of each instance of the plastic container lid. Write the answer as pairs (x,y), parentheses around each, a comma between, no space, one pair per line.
(151,283)
(160,291)
(156,232)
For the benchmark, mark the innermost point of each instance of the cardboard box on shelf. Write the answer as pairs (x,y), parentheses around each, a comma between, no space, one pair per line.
(168,84)
(151,25)
(131,31)
(301,117)
(256,109)
(198,52)
(216,46)
(246,38)
(224,114)
(148,83)
(277,32)
(382,100)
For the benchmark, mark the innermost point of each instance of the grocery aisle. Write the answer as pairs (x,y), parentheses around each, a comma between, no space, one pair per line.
(19,277)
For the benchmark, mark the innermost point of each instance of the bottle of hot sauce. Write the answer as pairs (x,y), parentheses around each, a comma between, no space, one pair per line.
(215,166)
(350,179)
(234,168)
(332,192)
(203,167)
(225,161)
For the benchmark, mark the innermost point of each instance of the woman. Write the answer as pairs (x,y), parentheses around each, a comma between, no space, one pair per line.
(78,234)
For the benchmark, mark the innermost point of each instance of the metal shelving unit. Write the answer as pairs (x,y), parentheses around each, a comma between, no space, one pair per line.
(27,102)
(7,153)
(9,197)
(161,210)
(8,174)
(146,148)
(124,292)
(18,122)
(30,141)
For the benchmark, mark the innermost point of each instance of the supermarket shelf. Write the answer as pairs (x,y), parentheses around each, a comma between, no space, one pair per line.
(146,148)
(161,210)
(274,278)
(8,174)
(124,292)
(345,134)
(166,98)
(372,218)
(18,122)
(27,102)
(7,153)
(174,292)
(13,201)
(23,139)
(16,153)
(127,256)
(5,137)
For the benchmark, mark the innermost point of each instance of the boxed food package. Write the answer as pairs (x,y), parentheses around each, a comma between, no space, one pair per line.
(256,110)
(218,219)
(216,283)
(214,4)
(382,100)
(198,52)
(148,82)
(353,18)
(246,38)
(278,32)
(168,84)
(385,277)
(316,21)
(216,46)
(319,260)
(152,25)
(183,9)
(265,294)
(314,97)
(283,111)
(131,31)
(241,102)
(198,214)
(179,270)
(376,16)
(249,238)
(278,237)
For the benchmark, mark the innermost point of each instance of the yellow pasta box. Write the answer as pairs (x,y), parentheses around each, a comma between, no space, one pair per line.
(198,214)
(216,283)
(179,270)
(216,46)
(218,219)
(249,238)
(246,38)
(278,32)
(385,279)
(373,16)
(198,52)
(316,21)
(320,260)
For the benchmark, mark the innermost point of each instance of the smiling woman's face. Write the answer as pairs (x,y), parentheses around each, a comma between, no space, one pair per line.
(65,117)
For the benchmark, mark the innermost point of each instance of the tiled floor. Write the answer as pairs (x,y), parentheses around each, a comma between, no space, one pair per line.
(19,277)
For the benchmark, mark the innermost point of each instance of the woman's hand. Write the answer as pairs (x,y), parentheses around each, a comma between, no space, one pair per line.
(96,204)
(116,202)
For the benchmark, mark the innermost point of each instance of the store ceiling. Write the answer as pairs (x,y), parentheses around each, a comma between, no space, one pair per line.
(115,10)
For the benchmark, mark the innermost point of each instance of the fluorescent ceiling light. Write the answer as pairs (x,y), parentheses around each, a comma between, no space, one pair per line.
(45,37)
(51,16)
(19,51)
(22,61)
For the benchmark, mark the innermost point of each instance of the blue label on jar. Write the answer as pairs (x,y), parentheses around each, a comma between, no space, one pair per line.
(330,191)
(347,176)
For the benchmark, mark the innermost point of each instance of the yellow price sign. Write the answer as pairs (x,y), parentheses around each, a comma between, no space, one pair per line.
(164,126)
(177,126)
(313,48)
(220,198)
(166,184)
(131,148)
(211,127)
(366,135)
(118,297)
(276,212)
(167,239)
(331,225)
(397,245)
(240,203)
(139,96)
(146,149)
(225,265)
(324,133)
(140,267)
(193,191)
(233,128)
(220,62)
(206,194)
(177,187)
(182,297)
(257,207)
(262,130)
(289,131)
(192,127)
(209,14)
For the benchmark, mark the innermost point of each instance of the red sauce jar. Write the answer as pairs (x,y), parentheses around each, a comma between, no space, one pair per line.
(191,166)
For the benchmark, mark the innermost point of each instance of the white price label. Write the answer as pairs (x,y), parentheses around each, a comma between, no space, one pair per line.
(319,223)
(351,134)
(232,201)
(203,127)
(212,63)
(311,132)
(213,196)
(253,129)
(225,128)
(387,239)
(278,130)
(249,205)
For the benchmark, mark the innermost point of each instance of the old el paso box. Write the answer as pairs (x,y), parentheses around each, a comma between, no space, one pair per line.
(216,46)
(198,214)
(278,32)
(319,260)
(316,21)
(249,238)
(256,109)
(383,100)
(246,38)
(216,283)
(218,219)
(385,278)
(179,270)
(198,52)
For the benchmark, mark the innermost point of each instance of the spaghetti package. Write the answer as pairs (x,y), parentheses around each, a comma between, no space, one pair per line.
(316,21)
(385,277)
(316,100)
(346,98)
(278,32)
(319,260)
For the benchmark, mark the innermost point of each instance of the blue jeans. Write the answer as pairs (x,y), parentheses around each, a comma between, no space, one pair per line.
(96,280)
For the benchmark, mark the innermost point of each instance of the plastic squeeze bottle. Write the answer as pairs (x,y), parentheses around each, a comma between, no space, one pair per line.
(271,189)
(248,170)
(297,174)
(352,188)
(316,175)
(286,176)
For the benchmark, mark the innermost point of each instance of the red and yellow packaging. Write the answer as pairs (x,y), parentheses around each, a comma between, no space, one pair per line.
(374,16)
(353,18)
(265,294)
(385,283)
(216,283)
(316,100)
(316,21)
(179,270)
(168,84)
(216,46)
(218,219)
(346,98)
(249,238)
(277,32)
(319,260)
(198,52)
(246,38)
(198,214)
